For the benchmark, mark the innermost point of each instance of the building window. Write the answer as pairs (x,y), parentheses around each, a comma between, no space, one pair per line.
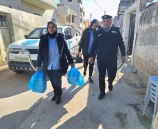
(69,0)
(3,21)
(81,10)
(36,14)
(81,20)
(68,19)
(73,19)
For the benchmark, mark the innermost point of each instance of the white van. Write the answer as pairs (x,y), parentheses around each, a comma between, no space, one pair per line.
(22,54)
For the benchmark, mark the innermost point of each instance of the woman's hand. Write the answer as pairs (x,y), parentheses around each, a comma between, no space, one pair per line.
(37,68)
(91,60)
(123,59)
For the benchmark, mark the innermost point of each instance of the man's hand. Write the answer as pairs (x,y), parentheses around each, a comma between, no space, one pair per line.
(91,60)
(72,65)
(123,59)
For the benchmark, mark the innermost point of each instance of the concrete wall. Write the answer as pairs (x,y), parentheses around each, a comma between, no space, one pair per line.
(20,5)
(47,14)
(145,56)
(20,23)
(13,3)
(32,9)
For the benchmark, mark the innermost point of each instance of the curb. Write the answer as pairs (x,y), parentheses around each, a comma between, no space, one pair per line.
(4,67)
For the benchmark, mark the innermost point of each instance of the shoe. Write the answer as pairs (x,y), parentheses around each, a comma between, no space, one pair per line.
(90,80)
(54,98)
(101,95)
(58,100)
(110,87)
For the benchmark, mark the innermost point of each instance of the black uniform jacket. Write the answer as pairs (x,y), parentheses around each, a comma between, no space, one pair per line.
(43,52)
(106,43)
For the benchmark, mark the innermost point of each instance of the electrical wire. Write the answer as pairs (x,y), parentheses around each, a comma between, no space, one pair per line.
(98,5)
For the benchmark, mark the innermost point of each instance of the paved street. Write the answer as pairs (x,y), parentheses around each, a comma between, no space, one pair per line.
(120,109)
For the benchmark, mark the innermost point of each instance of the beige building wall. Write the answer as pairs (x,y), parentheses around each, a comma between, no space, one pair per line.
(13,3)
(32,9)
(20,24)
(48,15)
(26,7)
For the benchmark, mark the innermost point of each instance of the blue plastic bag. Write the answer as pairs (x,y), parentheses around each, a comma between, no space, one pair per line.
(38,82)
(75,78)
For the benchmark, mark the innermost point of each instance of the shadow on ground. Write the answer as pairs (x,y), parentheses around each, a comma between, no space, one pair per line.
(120,109)
(13,83)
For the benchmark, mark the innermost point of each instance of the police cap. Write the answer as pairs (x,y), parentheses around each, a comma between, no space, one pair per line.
(106,17)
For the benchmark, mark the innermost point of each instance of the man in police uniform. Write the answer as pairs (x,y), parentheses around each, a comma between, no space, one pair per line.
(105,45)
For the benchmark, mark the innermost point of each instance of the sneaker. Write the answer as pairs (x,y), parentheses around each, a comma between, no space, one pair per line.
(54,98)
(101,95)
(90,80)
(58,100)
(110,87)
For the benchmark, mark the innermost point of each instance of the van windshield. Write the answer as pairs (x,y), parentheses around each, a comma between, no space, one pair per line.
(36,33)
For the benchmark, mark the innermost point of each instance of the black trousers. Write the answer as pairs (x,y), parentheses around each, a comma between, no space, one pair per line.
(86,62)
(106,64)
(55,79)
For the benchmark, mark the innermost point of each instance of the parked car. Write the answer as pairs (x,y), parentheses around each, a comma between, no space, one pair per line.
(22,54)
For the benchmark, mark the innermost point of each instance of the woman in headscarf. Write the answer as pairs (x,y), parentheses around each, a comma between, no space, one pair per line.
(52,51)
(85,45)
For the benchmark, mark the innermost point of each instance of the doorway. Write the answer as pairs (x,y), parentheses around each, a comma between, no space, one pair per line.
(5,30)
(5,38)
(131,33)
